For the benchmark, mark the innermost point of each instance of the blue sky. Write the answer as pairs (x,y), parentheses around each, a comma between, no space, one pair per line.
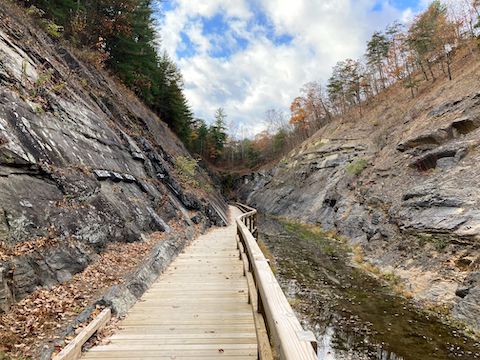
(249,56)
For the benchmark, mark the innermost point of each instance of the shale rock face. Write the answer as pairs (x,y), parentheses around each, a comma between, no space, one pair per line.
(401,181)
(82,163)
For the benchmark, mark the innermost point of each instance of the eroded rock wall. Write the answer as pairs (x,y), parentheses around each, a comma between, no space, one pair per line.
(82,163)
(401,181)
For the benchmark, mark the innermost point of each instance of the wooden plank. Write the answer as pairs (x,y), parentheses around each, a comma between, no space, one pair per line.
(197,309)
(154,346)
(171,354)
(72,351)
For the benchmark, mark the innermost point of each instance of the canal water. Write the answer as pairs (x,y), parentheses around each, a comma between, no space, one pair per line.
(354,315)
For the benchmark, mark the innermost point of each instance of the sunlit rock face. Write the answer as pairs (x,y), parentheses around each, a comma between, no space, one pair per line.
(401,181)
(82,163)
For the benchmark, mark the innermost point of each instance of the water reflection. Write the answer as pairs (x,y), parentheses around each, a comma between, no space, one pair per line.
(325,348)
(353,316)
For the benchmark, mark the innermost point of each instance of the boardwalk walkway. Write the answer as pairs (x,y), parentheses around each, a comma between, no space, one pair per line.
(197,309)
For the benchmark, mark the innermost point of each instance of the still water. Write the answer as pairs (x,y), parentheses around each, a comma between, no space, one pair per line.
(353,315)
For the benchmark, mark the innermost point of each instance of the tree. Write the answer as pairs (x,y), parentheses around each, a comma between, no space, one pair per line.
(316,103)
(132,53)
(476,7)
(397,51)
(169,100)
(199,137)
(218,133)
(432,37)
(345,85)
(279,141)
(377,51)
(123,33)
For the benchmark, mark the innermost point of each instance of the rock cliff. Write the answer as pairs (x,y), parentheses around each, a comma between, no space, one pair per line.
(83,163)
(401,181)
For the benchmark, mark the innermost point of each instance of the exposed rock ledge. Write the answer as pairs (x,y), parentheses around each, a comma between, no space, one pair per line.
(82,163)
(414,208)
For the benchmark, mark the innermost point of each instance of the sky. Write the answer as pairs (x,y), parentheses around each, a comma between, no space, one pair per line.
(249,56)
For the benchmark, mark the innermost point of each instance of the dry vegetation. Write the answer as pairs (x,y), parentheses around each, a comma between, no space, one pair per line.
(40,317)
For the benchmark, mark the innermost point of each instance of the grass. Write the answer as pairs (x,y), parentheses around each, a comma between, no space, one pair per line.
(438,241)
(357,166)
(294,302)
(392,280)
(328,241)
(35,12)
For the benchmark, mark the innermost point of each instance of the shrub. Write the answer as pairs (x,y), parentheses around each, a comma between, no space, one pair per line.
(357,166)
(35,12)
(52,29)
(186,169)
(185,166)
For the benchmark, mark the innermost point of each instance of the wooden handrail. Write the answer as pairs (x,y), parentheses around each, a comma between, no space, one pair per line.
(285,333)
(74,349)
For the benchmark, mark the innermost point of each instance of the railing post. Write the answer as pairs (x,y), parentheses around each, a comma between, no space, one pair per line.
(276,324)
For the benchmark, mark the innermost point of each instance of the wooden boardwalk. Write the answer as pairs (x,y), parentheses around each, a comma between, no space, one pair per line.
(197,309)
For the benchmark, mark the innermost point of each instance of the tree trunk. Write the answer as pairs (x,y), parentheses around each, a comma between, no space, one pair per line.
(449,69)
(423,70)
(431,71)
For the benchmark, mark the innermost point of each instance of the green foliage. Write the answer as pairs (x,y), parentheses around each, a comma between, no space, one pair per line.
(185,166)
(199,138)
(44,78)
(377,52)
(344,86)
(35,12)
(169,101)
(431,33)
(279,141)
(439,241)
(52,29)
(123,35)
(377,48)
(218,131)
(186,169)
(357,166)
(209,141)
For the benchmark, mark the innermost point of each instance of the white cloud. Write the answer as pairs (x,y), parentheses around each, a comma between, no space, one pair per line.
(266,74)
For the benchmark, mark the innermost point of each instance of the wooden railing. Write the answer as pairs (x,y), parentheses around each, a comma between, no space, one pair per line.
(279,333)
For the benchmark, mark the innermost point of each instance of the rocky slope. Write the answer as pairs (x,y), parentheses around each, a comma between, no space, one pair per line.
(401,181)
(83,163)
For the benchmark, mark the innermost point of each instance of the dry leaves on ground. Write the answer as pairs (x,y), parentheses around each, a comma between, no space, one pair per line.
(40,317)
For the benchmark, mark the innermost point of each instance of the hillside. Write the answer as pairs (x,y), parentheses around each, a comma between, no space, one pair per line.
(83,165)
(400,183)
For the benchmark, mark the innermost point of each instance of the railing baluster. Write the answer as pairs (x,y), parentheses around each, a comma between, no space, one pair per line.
(276,324)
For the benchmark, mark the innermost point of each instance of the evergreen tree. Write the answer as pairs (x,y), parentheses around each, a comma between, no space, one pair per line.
(124,31)
(199,143)
(377,51)
(218,133)
(132,53)
(170,101)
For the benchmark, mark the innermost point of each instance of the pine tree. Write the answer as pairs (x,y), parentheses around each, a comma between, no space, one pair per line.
(218,133)
(171,102)
(124,32)
(132,52)
(377,51)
